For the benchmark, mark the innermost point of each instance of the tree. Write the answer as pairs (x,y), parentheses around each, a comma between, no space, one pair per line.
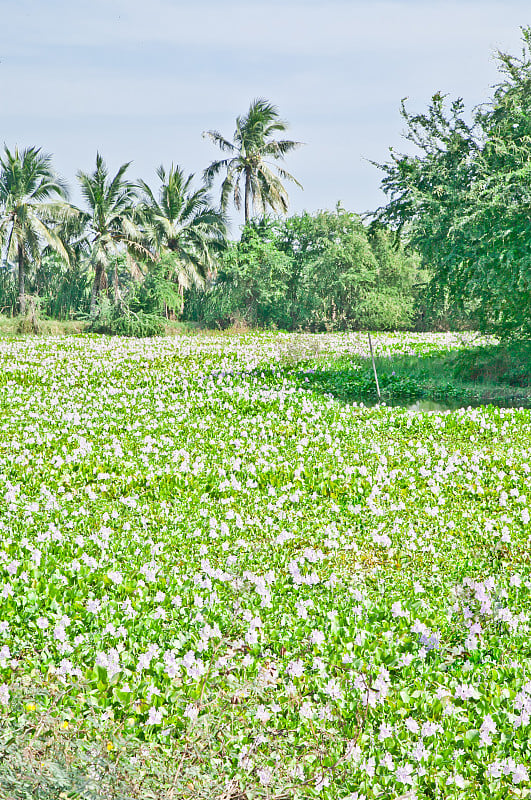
(250,155)
(465,199)
(183,227)
(32,203)
(318,272)
(112,223)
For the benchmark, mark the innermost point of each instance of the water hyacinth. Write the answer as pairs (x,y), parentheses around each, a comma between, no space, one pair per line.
(325,599)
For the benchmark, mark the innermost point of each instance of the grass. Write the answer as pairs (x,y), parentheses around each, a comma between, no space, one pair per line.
(14,327)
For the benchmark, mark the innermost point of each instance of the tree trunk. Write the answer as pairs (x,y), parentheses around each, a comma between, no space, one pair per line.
(95,290)
(247,196)
(115,284)
(21,281)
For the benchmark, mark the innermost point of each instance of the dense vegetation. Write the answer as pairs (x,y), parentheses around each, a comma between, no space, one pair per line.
(217,581)
(220,577)
(316,272)
(452,247)
(464,198)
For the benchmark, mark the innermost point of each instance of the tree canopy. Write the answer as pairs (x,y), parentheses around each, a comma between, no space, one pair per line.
(31,205)
(252,156)
(464,198)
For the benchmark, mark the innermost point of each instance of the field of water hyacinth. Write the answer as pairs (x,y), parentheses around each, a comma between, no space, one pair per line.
(269,593)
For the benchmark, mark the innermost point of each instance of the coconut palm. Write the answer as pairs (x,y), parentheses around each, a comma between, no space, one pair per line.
(112,223)
(182,223)
(251,154)
(32,204)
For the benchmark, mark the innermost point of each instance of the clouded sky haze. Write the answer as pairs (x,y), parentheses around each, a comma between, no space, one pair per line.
(141,81)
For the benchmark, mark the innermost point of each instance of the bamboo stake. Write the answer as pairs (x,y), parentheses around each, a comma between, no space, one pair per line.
(374,369)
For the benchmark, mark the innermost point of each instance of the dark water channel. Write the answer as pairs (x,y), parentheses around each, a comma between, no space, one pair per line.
(449,405)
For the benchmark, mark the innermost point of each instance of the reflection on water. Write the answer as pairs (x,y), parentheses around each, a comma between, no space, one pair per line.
(448,405)
(429,405)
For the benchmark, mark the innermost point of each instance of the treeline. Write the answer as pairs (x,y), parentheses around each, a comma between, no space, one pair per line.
(320,272)
(451,247)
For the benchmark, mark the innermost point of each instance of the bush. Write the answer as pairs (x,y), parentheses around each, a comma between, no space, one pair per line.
(122,321)
(504,363)
(379,311)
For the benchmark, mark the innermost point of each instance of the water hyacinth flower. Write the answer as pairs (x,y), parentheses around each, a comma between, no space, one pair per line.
(154,716)
(295,669)
(4,694)
(265,775)
(486,731)
(205,578)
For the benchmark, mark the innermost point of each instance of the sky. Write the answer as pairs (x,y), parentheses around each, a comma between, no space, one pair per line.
(141,80)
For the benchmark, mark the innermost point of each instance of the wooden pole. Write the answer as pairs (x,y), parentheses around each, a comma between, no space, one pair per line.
(374,369)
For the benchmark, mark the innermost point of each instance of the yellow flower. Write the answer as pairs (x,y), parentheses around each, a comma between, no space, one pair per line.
(109,746)
(64,725)
(31,707)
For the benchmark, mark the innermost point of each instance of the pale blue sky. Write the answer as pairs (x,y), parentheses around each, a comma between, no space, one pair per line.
(141,80)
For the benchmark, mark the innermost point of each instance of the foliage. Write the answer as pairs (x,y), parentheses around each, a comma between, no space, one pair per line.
(464,198)
(62,287)
(158,293)
(120,320)
(250,155)
(31,207)
(316,272)
(112,224)
(249,286)
(183,223)
(508,363)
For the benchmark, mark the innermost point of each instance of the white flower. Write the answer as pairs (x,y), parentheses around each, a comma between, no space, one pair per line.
(265,776)
(4,694)
(317,637)
(520,773)
(403,774)
(321,781)
(191,711)
(397,610)
(262,713)
(154,716)
(295,669)
(333,690)
(412,725)
(385,731)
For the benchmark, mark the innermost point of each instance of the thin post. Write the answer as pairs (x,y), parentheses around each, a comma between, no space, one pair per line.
(374,369)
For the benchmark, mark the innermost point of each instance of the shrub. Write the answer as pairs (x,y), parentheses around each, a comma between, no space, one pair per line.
(122,321)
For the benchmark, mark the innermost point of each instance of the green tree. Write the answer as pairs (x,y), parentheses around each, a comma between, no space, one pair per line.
(112,224)
(320,272)
(32,203)
(249,287)
(464,199)
(252,154)
(183,228)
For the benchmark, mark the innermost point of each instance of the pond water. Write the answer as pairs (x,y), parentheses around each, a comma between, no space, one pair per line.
(450,405)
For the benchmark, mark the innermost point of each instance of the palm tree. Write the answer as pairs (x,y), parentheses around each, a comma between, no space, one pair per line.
(181,222)
(250,155)
(112,223)
(32,204)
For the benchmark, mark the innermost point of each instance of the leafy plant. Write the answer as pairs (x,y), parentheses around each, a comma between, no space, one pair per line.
(123,321)
(251,154)
(463,199)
